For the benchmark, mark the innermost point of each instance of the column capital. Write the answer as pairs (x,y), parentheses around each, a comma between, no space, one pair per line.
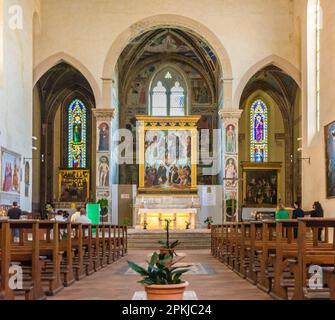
(230,114)
(104,114)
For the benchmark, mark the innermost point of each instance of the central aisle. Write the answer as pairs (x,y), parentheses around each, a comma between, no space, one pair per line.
(209,278)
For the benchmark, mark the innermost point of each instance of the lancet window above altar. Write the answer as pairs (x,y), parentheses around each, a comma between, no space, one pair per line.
(168,94)
(77,135)
(258,132)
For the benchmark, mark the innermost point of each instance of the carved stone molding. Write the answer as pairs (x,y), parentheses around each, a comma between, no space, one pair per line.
(230,114)
(104,114)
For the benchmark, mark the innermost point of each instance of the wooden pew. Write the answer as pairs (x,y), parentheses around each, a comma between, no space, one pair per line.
(52,248)
(56,252)
(268,255)
(317,253)
(5,257)
(66,247)
(78,246)
(26,252)
(88,249)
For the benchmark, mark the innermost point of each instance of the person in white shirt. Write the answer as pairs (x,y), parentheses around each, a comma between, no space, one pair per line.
(83,217)
(59,217)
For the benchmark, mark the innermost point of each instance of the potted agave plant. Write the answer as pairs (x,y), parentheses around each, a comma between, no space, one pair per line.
(161,281)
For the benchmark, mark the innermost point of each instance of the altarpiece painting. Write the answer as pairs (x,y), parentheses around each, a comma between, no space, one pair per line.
(261,184)
(168,153)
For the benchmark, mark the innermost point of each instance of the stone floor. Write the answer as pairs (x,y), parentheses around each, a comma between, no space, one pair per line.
(209,279)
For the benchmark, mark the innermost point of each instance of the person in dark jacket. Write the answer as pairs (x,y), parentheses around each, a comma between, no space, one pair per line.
(297,213)
(14,214)
(317,212)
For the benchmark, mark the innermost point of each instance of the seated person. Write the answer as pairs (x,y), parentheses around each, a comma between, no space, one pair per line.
(66,215)
(282,213)
(58,217)
(75,215)
(83,217)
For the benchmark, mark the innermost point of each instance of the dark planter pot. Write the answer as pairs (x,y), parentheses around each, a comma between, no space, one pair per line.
(104,212)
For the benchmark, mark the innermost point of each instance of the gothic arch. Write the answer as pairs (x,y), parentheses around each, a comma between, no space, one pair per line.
(164,20)
(59,57)
(275,60)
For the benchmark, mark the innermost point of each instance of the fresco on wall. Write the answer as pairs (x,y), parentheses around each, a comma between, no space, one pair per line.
(167,44)
(103,137)
(137,94)
(199,92)
(10,171)
(231,172)
(231,140)
(103,172)
(330,159)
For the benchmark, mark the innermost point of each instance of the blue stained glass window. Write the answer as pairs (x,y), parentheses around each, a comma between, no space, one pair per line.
(259,132)
(77,135)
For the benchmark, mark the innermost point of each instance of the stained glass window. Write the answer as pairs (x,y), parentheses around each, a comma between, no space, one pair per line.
(177,100)
(259,132)
(168,96)
(77,135)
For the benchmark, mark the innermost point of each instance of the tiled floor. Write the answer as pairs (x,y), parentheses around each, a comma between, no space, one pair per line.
(212,281)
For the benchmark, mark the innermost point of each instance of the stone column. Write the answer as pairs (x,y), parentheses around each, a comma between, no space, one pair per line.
(103,155)
(230,163)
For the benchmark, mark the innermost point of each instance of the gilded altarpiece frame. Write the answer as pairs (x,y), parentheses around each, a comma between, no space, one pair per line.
(168,173)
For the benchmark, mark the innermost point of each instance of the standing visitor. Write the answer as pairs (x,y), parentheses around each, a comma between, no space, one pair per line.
(297,213)
(317,212)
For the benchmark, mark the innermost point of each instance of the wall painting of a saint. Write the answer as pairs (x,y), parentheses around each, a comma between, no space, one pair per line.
(230,139)
(10,171)
(103,137)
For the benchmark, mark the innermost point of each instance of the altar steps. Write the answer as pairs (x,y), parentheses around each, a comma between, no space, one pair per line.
(147,239)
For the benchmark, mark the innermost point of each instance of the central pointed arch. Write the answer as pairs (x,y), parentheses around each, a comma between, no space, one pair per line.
(175,21)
